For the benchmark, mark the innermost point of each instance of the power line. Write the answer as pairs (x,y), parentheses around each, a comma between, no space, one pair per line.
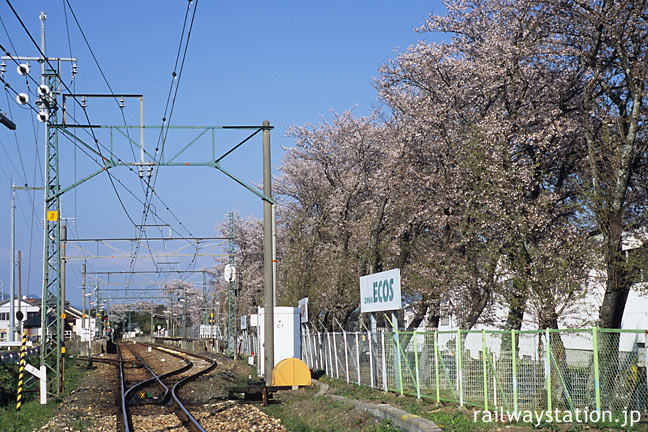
(151,184)
(147,204)
(123,116)
(110,177)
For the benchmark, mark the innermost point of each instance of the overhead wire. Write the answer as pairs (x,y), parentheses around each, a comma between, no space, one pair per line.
(44,57)
(147,208)
(159,148)
(69,42)
(85,151)
(124,120)
(37,165)
(34,215)
(107,84)
(175,79)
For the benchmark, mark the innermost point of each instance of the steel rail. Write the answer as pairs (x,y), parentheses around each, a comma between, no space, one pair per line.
(123,394)
(182,412)
(187,379)
(191,420)
(156,377)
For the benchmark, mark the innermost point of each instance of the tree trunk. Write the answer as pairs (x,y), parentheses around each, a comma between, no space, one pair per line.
(372,258)
(617,285)
(517,306)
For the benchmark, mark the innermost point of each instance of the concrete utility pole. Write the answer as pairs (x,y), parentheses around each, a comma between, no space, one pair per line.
(20,324)
(12,278)
(184,312)
(62,298)
(83,289)
(268,355)
(274,255)
(12,274)
(204,299)
(231,287)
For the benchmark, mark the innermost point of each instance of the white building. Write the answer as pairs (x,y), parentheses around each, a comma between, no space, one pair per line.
(30,309)
(585,311)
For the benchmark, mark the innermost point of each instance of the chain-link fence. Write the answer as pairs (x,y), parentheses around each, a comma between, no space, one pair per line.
(583,369)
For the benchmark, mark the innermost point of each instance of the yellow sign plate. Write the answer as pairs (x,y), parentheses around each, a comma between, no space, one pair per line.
(52,215)
(63,315)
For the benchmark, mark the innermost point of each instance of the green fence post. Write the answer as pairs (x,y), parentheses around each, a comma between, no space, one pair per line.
(514,361)
(548,368)
(416,365)
(485,371)
(397,347)
(597,388)
(459,369)
(436,365)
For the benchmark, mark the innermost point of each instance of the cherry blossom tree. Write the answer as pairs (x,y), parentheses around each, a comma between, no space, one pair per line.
(500,123)
(607,43)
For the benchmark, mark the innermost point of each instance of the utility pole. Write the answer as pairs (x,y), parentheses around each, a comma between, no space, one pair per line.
(62,297)
(212,322)
(20,324)
(51,346)
(184,312)
(12,279)
(83,289)
(267,258)
(274,255)
(231,289)
(12,275)
(204,299)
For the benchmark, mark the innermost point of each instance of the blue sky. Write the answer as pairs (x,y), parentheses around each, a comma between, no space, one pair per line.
(287,62)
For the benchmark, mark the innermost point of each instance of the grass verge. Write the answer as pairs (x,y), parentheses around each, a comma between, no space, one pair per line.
(32,414)
(450,417)
(302,411)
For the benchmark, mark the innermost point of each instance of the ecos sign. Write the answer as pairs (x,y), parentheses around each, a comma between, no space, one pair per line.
(380,291)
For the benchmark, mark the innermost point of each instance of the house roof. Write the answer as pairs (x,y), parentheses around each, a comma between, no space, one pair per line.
(27,301)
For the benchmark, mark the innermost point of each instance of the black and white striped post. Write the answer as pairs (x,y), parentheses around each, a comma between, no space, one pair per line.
(21,373)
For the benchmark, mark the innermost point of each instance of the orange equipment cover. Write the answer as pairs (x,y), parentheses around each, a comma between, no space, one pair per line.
(291,372)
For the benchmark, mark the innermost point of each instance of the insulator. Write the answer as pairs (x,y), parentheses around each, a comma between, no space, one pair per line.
(23,69)
(22,98)
(43,90)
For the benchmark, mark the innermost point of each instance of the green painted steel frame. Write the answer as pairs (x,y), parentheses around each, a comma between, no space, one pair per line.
(214,162)
(51,344)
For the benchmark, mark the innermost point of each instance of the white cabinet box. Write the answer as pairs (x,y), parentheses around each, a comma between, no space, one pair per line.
(287,336)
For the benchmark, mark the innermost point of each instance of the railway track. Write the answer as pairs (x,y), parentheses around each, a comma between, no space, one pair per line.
(150,381)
